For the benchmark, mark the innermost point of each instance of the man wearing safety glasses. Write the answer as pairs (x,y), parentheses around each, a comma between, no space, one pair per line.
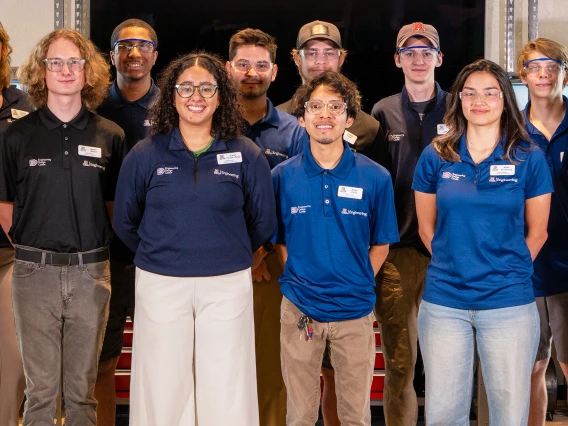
(336,217)
(252,68)
(542,68)
(134,51)
(410,120)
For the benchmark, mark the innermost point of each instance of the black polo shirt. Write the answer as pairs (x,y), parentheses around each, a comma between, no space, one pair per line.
(133,118)
(15,105)
(59,175)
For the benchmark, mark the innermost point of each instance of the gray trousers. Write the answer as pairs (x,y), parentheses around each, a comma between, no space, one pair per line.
(60,314)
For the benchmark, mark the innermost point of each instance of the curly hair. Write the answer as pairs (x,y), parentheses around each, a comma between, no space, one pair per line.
(228,121)
(337,83)
(252,37)
(97,69)
(512,127)
(5,70)
(549,48)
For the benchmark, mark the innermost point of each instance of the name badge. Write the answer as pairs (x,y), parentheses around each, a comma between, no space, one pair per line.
(349,137)
(232,157)
(90,151)
(502,170)
(442,129)
(18,113)
(561,156)
(350,192)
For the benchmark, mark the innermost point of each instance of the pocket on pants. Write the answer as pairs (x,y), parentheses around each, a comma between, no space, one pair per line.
(24,269)
(389,306)
(98,271)
(288,312)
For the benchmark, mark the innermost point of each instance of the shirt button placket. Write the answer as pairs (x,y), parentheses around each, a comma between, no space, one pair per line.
(327,210)
(66,148)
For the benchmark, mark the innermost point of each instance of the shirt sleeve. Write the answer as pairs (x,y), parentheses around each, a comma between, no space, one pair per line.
(8,166)
(300,143)
(259,208)
(538,180)
(119,151)
(279,236)
(384,227)
(426,172)
(129,201)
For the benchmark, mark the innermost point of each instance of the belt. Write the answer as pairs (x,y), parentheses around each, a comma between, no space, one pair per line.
(61,259)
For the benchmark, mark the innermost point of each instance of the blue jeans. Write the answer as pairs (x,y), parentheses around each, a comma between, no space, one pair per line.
(60,314)
(506,339)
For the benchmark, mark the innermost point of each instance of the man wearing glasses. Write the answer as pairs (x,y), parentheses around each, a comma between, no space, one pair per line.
(252,54)
(410,120)
(134,51)
(336,217)
(542,68)
(59,167)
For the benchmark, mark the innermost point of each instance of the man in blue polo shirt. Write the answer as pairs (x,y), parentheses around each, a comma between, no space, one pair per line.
(336,218)
(542,68)
(251,65)
(133,43)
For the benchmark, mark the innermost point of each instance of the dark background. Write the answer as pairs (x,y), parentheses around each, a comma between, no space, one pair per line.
(368,29)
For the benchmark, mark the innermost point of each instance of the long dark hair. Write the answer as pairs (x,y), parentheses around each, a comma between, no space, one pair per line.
(512,126)
(227,119)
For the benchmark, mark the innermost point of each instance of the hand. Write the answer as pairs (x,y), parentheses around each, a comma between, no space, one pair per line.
(261,273)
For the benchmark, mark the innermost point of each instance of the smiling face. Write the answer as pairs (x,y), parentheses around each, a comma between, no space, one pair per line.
(133,65)
(196,111)
(309,68)
(324,127)
(479,111)
(544,84)
(64,82)
(252,84)
(418,70)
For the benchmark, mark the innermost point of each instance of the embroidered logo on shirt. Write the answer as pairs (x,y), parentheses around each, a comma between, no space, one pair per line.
(165,170)
(353,212)
(39,162)
(89,164)
(498,179)
(395,137)
(452,176)
(224,173)
(299,209)
(271,152)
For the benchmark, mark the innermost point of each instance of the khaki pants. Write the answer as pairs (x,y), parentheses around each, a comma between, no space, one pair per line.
(352,352)
(400,284)
(271,390)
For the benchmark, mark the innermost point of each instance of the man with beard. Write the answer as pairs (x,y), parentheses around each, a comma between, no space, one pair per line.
(133,44)
(252,54)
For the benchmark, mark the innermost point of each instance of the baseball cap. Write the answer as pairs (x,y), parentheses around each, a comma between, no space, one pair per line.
(318,29)
(418,29)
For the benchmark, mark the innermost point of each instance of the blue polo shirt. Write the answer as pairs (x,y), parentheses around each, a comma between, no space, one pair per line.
(551,265)
(328,219)
(480,259)
(278,135)
(194,216)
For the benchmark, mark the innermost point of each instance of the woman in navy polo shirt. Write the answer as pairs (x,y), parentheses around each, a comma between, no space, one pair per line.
(482,198)
(194,202)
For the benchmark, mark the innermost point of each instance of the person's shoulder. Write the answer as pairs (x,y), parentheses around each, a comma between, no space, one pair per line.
(286,106)
(288,165)
(367,122)
(24,124)
(105,125)
(244,144)
(20,98)
(387,103)
(369,166)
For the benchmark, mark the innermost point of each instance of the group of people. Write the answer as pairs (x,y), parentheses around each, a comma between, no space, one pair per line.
(259,242)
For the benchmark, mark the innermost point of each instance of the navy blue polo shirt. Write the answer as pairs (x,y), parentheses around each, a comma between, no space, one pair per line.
(328,219)
(194,216)
(480,259)
(551,265)
(278,135)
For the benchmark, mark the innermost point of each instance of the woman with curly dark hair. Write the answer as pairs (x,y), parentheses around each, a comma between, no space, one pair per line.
(194,201)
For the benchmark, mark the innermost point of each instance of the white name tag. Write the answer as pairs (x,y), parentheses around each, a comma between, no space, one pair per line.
(502,170)
(89,151)
(350,192)
(17,113)
(561,156)
(442,129)
(349,137)
(231,157)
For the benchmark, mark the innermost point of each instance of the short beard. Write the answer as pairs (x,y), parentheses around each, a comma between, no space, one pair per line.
(324,141)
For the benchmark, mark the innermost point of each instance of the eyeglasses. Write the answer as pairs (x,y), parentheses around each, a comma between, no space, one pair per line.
(317,107)
(550,68)
(469,96)
(143,46)
(56,64)
(427,53)
(328,54)
(246,66)
(186,90)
